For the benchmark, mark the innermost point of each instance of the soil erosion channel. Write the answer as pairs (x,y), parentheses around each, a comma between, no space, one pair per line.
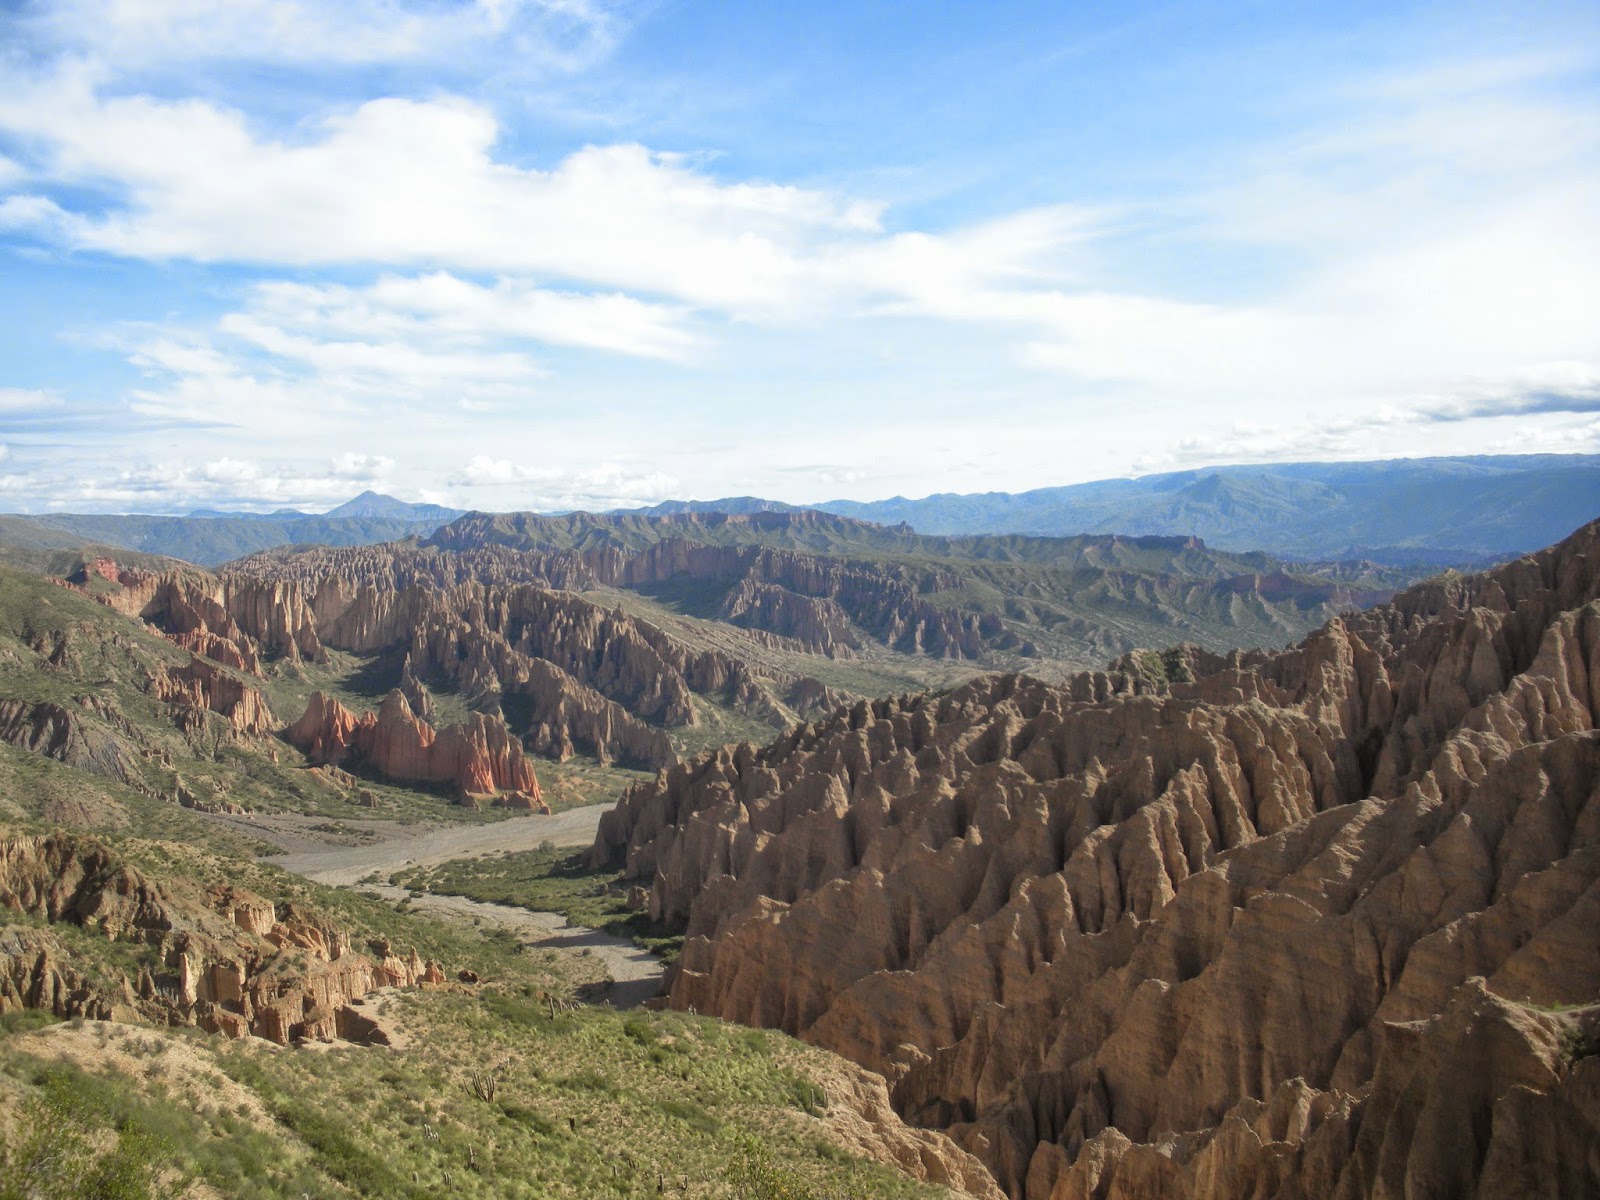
(385,847)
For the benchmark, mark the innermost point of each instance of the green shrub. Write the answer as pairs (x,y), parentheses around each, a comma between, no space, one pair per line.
(56,1152)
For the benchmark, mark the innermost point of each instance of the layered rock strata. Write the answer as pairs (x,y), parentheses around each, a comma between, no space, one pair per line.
(1290,924)
(58,732)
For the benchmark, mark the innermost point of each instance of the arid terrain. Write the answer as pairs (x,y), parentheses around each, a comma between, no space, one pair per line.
(1314,922)
(1272,922)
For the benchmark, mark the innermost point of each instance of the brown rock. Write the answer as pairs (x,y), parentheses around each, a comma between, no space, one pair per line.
(479,757)
(227,960)
(1208,934)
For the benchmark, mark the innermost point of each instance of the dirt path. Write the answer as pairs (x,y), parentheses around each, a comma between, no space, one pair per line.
(383,847)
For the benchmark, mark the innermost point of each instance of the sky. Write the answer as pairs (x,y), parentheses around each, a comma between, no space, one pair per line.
(554,254)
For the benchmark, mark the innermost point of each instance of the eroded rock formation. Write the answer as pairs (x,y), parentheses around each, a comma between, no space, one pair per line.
(1293,924)
(58,732)
(226,960)
(202,686)
(478,757)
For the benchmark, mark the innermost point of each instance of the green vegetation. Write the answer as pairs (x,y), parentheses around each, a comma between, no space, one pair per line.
(503,1097)
(1576,1044)
(549,880)
(497,1085)
(579,782)
(78,1140)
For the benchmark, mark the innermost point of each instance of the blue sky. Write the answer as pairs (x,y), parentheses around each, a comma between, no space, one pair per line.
(565,253)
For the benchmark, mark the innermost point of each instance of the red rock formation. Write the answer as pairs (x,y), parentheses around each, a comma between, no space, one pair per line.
(1290,928)
(326,731)
(480,757)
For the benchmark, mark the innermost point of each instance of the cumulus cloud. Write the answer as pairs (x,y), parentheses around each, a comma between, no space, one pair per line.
(1431,245)
(397,181)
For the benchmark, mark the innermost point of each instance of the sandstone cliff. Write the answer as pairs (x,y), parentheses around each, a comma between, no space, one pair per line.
(203,687)
(1290,924)
(224,959)
(478,757)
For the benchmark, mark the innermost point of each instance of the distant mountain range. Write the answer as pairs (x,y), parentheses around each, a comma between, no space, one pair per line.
(1445,511)
(210,538)
(1441,510)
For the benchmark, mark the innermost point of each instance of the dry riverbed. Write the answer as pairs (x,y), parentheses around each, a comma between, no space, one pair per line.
(366,853)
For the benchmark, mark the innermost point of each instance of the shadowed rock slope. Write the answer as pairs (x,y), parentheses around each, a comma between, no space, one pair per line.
(1312,923)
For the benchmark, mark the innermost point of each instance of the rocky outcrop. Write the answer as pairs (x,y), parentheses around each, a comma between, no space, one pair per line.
(189,607)
(224,959)
(858,1115)
(202,686)
(416,692)
(478,757)
(59,733)
(819,624)
(1256,924)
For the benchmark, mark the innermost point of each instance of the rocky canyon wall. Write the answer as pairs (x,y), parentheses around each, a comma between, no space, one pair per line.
(1309,923)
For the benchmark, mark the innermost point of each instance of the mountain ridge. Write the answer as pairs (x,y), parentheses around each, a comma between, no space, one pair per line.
(1444,510)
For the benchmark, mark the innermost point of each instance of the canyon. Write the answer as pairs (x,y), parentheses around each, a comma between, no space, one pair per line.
(1203,922)
(1314,922)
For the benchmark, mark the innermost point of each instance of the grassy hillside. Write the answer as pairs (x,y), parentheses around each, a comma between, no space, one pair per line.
(497,1088)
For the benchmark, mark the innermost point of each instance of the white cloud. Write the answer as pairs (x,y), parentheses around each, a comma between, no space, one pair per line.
(537,486)
(363,467)
(230,471)
(441,308)
(1433,244)
(1412,272)
(483,469)
(415,182)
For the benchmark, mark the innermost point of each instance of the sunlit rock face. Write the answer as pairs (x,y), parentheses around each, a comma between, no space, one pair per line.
(1301,925)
